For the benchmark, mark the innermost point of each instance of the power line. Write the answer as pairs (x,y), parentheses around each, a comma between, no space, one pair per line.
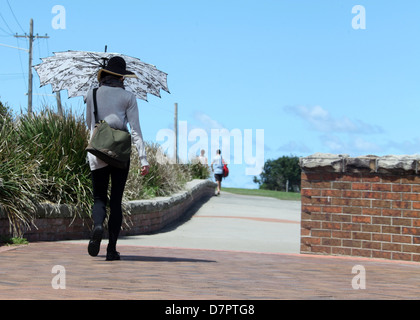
(15,16)
(31,38)
(21,66)
(11,32)
(9,46)
(48,47)
(7,34)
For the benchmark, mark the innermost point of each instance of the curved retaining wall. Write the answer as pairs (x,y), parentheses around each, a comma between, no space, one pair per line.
(55,223)
(367,206)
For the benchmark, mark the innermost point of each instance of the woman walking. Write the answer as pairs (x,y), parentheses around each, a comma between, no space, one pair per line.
(118,108)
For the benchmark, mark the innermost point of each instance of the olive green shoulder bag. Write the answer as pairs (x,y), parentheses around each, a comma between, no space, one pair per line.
(110,145)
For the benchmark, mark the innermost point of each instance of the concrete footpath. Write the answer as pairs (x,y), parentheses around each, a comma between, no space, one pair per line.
(229,248)
(233,222)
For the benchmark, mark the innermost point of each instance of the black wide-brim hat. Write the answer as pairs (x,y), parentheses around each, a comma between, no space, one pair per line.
(117,67)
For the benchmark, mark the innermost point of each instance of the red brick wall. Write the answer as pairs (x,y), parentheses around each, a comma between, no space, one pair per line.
(366,214)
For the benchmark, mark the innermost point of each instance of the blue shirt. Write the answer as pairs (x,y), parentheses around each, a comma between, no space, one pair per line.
(218,164)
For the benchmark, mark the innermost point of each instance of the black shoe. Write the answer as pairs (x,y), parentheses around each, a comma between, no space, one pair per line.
(112,255)
(95,242)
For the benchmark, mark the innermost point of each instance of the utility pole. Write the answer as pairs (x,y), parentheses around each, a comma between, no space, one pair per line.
(59,105)
(31,38)
(176,133)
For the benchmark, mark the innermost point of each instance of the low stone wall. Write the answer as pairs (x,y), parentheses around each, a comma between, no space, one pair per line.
(55,223)
(366,206)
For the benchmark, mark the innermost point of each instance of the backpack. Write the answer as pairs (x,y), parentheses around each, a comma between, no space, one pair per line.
(225,171)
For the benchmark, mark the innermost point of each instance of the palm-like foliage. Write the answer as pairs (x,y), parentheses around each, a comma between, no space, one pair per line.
(61,151)
(20,179)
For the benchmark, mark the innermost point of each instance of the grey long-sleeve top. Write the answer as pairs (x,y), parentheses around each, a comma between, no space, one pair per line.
(118,108)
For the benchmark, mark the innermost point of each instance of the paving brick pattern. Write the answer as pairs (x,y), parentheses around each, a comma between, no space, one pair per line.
(151,273)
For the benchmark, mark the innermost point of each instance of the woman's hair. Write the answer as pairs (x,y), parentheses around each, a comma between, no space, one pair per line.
(218,151)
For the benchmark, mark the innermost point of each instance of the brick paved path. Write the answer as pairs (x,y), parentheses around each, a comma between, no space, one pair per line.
(190,274)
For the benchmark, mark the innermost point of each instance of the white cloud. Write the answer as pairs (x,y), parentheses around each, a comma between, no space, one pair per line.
(350,144)
(405,147)
(321,120)
(207,123)
(366,146)
(334,143)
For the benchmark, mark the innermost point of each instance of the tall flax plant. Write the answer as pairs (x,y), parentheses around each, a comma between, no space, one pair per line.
(20,178)
(61,141)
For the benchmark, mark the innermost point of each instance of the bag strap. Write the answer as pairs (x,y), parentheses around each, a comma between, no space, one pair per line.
(95,104)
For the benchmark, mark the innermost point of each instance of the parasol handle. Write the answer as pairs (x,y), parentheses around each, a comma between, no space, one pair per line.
(105,59)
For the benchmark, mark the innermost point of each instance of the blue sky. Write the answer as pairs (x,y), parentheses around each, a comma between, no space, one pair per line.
(296,69)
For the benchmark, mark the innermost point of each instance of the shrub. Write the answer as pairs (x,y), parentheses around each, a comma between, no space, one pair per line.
(163,179)
(60,150)
(20,178)
(43,159)
(198,170)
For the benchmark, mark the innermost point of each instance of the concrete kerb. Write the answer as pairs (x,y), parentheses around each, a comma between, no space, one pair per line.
(192,189)
(57,222)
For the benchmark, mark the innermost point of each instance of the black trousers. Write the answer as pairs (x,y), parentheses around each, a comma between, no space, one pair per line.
(100,181)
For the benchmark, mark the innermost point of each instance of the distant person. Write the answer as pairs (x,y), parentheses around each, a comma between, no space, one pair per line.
(203,160)
(218,164)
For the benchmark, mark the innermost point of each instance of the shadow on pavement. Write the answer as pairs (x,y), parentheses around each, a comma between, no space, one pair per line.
(160,259)
(184,218)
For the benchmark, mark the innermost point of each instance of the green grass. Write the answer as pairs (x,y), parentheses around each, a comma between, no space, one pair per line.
(292,196)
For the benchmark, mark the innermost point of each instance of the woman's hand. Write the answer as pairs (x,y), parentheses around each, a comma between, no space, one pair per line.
(144,170)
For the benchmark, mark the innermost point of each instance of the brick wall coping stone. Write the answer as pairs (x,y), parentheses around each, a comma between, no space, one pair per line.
(393,164)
